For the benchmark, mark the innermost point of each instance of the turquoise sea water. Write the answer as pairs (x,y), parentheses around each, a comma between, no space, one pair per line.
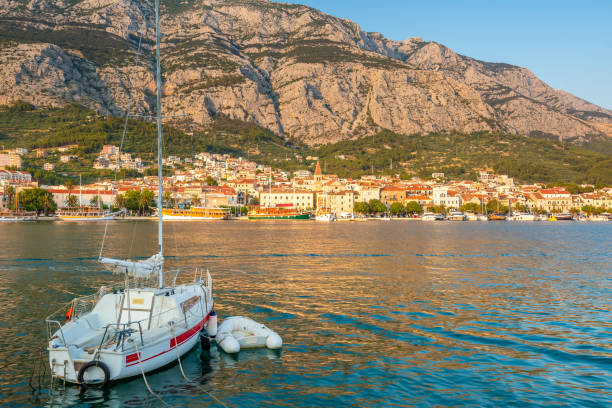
(390,314)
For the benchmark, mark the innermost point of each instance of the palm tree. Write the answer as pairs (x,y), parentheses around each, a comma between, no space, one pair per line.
(73,201)
(120,201)
(10,196)
(167,198)
(143,203)
(46,203)
(69,200)
(195,199)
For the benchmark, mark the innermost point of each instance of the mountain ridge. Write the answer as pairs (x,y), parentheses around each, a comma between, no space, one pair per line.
(289,68)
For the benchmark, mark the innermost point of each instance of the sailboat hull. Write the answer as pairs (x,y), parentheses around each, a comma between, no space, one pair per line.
(85,351)
(126,364)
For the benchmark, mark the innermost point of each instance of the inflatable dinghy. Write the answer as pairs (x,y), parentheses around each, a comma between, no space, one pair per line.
(238,332)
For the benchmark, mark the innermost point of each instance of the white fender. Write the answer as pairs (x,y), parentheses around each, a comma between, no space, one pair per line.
(236,333)
(212,325)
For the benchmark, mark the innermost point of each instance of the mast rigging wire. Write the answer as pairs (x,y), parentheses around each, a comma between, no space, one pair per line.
(125,124)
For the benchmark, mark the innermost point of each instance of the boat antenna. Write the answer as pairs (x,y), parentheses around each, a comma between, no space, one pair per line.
(159,144)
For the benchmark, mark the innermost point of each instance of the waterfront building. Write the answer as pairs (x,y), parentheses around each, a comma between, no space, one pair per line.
(441,195)
(594,200)
(299,199)
(337,203)
(367,192)
(555,199)
(392,194)
(84,196)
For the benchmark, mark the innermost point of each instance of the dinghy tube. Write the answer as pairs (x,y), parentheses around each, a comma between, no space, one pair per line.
(238,332)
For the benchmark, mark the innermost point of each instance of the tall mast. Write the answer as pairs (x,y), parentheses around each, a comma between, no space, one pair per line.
(160,187)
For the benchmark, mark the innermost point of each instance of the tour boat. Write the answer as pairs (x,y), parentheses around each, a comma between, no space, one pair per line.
(276,213)
(138,327)
(84,214)
(457,216)
(195,214)
(429,216)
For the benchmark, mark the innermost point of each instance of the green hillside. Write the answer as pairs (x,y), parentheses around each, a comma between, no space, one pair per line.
(455,154)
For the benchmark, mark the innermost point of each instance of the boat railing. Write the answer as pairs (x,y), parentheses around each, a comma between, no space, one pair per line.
(122,331)
(82,305)
(50,324)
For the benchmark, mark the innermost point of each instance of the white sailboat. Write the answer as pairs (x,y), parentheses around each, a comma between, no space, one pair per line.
(135,328)
(324,213)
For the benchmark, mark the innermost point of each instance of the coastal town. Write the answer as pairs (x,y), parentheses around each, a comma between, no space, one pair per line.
(219,181)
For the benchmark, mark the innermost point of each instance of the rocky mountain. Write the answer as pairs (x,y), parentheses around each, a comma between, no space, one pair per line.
(289,68)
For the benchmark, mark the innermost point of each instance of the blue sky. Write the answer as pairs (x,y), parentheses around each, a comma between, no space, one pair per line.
(568,44)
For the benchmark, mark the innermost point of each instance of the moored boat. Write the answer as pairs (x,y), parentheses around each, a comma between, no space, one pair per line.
(18,216)
(523,217)
(471,216)
(195,214)
(497,217)
(128,329)
(562,217)
(276,213)
(457,216)
(429,216)
(84,214)
(237,333)
(325,216)
(135,328)
(599,218)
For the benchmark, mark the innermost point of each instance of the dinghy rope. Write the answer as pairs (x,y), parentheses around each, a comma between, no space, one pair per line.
(178,357)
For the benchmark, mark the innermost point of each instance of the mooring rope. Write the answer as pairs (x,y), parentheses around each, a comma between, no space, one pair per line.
(178,357)
(144,377)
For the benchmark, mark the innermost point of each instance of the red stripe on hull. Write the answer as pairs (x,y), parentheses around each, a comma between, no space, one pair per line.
(182,338)
(130,358)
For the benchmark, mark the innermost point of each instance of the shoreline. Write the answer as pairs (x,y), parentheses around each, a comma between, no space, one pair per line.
(342,220)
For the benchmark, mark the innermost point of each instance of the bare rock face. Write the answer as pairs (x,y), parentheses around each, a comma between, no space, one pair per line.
(289,68)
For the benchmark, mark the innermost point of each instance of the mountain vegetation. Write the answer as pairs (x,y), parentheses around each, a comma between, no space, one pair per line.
(456,154)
